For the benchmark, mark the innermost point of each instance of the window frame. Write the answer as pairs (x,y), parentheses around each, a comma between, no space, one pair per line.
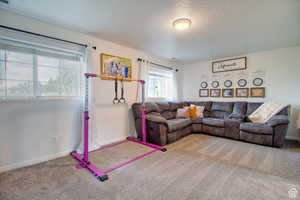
(169,77)
(36,92)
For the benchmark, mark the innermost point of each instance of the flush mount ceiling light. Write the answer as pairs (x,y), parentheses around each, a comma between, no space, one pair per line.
(182,24)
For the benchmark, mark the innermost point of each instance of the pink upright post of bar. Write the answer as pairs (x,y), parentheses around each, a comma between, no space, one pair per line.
(144,124)
(84,159)
(86,137)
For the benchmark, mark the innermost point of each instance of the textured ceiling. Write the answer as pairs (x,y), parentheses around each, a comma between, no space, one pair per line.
(220,28)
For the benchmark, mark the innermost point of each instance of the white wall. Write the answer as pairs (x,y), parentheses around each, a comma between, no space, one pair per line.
(282,80)
(37,130)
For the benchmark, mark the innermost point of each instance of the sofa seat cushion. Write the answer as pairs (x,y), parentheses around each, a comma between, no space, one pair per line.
(213,122)
(257,128)
(196,120)
(177,124)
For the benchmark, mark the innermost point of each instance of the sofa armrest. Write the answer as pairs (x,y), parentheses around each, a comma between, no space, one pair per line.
(156,118)
(157,133)
(232,128)
(278,120)
(280,132)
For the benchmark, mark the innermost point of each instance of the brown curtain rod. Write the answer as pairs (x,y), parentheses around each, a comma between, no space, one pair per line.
(166,67)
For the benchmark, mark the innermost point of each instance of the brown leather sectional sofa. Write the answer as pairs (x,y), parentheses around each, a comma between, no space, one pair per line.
(226,119)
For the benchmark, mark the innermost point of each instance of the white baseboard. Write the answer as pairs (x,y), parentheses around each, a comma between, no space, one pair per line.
(33,161)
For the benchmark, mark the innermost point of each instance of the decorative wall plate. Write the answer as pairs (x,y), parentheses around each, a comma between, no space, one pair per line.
(204,84)
(242,82)
(258,82)
(228,83)
(215,84)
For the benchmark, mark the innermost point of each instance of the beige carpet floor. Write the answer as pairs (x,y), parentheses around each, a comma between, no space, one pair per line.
(196,167)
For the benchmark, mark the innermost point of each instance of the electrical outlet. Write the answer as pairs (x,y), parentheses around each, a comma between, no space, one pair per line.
(54,138)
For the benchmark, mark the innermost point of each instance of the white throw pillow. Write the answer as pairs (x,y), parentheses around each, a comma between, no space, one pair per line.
(182,113)
(266,111)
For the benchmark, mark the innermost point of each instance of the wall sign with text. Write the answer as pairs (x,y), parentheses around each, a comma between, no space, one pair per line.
(229,65)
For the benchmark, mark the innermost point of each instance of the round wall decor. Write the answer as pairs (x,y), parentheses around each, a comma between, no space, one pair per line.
(215,84)
(242,82)
(258,81)
(204,84)
(228,83)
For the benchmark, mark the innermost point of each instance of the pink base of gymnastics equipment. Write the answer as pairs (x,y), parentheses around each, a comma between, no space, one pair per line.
(83,159)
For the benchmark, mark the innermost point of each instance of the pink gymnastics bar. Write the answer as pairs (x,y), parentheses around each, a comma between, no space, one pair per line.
(84,159)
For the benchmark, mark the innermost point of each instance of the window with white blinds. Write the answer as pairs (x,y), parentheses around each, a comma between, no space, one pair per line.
(29,71)
(160,83)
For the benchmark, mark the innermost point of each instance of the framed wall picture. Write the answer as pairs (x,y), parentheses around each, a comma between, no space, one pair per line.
(228,93)
(116,66)
(215,92)
(242,92)
(233,64)
(258,92)
(204,93)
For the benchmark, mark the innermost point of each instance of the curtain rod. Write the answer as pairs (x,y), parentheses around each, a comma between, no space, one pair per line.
(163,66)
(41,35)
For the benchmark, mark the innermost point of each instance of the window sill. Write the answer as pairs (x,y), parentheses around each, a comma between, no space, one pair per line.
(32,99)
(158,99)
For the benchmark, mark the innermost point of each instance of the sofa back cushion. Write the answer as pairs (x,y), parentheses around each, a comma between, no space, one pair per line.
(175,105)
(150,107)
(252,106)
(221,109)
(163,106)
(165,110)
(284,111)
(206,104)
(240,108)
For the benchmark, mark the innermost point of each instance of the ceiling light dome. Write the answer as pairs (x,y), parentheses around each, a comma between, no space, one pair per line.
(182,24)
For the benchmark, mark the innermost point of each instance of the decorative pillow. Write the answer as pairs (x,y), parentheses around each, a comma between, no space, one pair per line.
(182,113)
(266,111)
(193,112)
(189,110)
(196,111)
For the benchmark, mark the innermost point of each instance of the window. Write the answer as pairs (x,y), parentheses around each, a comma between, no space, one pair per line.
(160,83)
(27,72)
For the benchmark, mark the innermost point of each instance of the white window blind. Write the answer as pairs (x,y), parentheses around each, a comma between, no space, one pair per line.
(27,70)
(160,83)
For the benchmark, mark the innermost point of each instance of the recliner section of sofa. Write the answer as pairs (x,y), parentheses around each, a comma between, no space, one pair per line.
(226,119)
